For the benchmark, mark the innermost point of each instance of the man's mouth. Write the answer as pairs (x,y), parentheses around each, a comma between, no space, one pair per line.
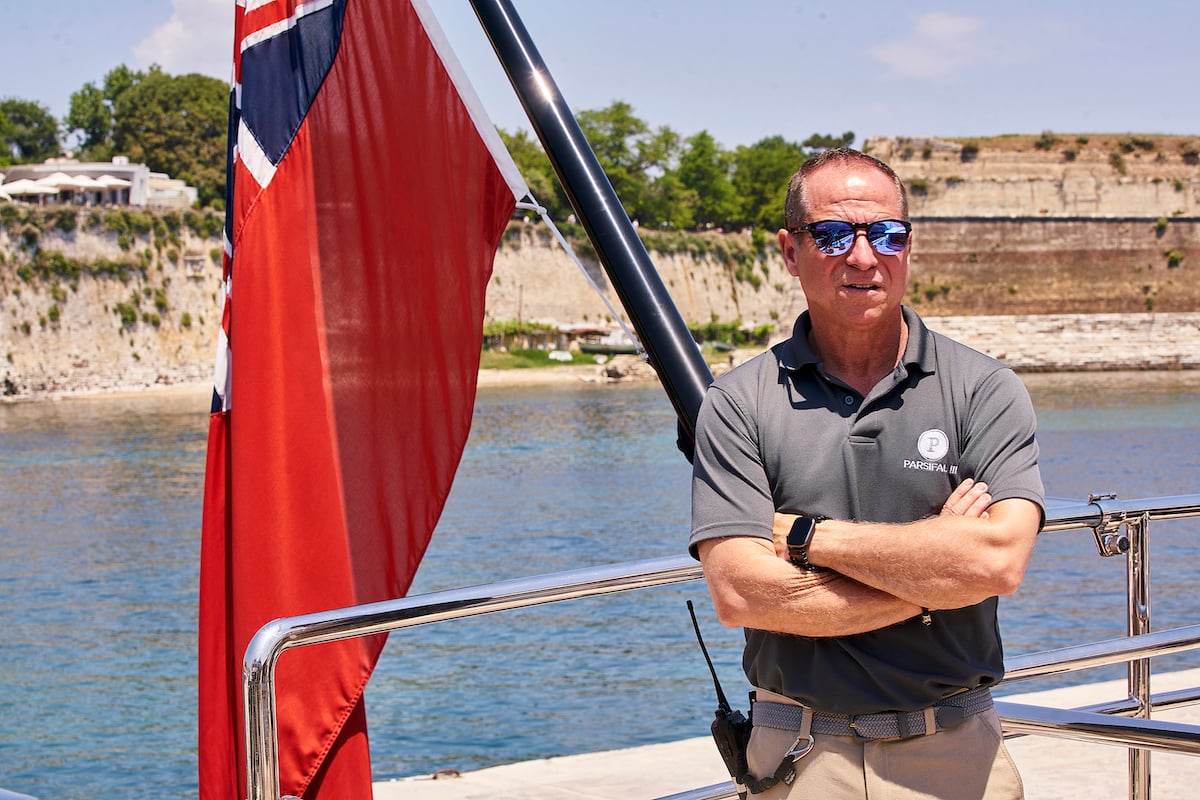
(865,287)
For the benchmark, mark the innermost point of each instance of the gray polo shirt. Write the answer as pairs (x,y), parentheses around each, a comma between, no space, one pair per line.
(777,433)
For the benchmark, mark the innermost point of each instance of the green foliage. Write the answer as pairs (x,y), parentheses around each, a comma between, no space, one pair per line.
(1160,226)
(30,131)
(1174,258)
(620,140)
(185,320)
(970,151)
(176,125)
(731,333)
(1117,162)
(54,313)
(1069,154)
(29,235)
(527,359)
(1130,142)
(128,221)
(827,141)
(128,314)
(1046,141)
(91,114)
(511,327)
(208,223)
(65,219)
(704,168)
(761,172)
(52,266)
(930,291)
(918,186)
(1190,150)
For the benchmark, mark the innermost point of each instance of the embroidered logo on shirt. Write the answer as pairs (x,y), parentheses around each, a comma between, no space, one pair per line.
(933,444)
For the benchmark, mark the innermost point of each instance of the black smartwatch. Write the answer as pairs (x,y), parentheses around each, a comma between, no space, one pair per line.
(798,540)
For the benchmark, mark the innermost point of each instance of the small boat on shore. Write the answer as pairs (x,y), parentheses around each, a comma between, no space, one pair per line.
(610,343)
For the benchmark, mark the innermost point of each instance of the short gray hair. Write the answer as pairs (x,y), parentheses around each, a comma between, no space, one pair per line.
(795,207)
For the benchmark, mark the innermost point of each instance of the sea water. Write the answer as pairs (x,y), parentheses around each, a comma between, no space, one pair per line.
(99,541)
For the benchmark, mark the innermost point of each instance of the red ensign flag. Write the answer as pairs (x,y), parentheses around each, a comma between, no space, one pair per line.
(365,205)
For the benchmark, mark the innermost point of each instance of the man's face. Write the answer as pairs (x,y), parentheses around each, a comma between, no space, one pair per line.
(859,288)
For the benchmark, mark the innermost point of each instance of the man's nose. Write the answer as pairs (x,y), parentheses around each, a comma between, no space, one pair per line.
(861,253)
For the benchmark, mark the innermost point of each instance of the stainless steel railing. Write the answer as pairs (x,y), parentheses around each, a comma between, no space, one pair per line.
(1119,527)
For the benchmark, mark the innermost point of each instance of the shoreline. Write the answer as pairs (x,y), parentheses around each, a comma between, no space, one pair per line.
(497,379)
(1064,343)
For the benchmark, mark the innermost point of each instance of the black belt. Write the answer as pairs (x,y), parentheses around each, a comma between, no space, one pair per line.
(947,713)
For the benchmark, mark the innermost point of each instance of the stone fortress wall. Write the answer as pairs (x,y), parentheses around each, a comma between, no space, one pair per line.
(1046,262)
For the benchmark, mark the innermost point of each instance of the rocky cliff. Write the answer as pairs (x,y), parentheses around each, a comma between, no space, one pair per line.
(1007,227)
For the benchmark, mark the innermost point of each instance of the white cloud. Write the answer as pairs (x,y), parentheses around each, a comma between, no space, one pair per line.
(197,38)
(940,46)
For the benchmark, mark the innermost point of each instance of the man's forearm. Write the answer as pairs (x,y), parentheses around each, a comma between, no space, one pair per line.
(752,588)
(942,562)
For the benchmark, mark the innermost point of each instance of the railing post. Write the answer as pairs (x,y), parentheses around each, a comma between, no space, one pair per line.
(1137,580)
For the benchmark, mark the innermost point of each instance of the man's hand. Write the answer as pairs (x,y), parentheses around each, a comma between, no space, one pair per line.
(969,499)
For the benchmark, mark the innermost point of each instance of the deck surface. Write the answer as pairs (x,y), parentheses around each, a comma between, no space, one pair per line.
(1052,768)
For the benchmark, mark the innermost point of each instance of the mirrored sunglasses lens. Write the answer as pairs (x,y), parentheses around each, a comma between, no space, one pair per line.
(887,237)
(833,238)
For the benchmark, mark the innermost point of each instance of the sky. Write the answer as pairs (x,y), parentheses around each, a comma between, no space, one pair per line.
(742,70)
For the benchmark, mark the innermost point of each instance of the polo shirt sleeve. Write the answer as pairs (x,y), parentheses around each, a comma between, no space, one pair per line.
(730,492)
(1000,446)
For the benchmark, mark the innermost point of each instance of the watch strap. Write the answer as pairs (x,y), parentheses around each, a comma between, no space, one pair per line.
(799,539)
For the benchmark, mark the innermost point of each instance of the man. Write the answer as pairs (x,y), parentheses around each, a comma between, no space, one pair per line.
(904,469)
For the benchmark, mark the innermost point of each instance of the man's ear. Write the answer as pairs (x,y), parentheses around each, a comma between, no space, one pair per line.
(789,250)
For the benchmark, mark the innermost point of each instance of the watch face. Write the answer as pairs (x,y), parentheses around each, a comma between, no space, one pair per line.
(801,532)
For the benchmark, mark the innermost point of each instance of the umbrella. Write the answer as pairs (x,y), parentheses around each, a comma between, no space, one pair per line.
(112,182)
(24,186)
(88,184)
(58,180)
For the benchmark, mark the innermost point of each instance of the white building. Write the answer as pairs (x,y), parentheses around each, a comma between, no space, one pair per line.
(128,184)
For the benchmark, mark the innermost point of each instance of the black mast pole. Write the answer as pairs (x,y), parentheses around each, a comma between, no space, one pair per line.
(670,347)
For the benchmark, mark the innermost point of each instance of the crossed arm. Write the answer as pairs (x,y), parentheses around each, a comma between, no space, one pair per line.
(882,573)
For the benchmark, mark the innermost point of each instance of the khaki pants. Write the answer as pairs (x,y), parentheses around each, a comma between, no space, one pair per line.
(967,762)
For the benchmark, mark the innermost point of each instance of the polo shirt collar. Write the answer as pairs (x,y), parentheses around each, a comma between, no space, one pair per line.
(919,352)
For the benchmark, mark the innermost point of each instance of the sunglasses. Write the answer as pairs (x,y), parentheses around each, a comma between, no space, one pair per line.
(833,237)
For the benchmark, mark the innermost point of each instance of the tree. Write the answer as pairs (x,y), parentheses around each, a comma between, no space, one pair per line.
(760,177)
(31,133)
(177,125)
(535,167)
(5,138)
(91,113)
(616,136)
(827,141)
(667,202)
(704,169)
